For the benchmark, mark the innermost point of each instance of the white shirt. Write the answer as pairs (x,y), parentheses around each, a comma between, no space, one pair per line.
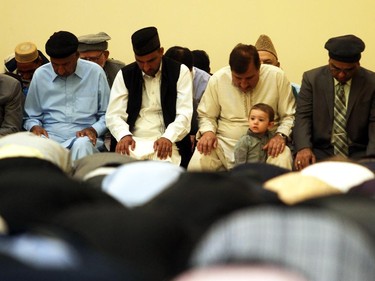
(150,124)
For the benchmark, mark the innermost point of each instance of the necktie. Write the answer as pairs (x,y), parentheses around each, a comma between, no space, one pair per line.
(340,139)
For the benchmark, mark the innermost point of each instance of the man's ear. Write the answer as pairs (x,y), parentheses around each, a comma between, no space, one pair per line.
(106,54)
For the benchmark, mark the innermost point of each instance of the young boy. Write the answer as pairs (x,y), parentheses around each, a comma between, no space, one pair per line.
(249,147)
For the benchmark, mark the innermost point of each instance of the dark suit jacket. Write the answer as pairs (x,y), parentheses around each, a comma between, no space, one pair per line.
(314,114)
(11,105)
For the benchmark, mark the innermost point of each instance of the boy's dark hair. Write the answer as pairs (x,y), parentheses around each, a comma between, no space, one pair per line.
(265,108)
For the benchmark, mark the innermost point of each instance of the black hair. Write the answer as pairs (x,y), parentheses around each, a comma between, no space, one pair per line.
(201,60)
(242,56)
(180,54)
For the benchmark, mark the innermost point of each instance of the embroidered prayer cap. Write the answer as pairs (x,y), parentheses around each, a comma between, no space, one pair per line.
(26,52)
(145,41)
(93,42)
(264,43)
(62,44)
(346,48)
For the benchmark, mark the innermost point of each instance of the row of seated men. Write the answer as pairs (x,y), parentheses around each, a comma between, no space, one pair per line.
(123,218)
(153,109)
(91,47)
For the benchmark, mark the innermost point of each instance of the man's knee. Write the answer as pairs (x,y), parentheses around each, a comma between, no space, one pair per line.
(82,141)
(283,160)
(81,148)
(211,162)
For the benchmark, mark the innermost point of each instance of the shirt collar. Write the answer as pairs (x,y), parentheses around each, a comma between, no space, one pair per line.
(79,71)
(349,82)
(251,133)
(157,75)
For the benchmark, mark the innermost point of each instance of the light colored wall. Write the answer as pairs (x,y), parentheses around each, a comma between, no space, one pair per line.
(298,28)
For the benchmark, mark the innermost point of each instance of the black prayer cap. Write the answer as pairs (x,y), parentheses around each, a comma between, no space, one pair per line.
(61,44)
(346,48)
(145,41)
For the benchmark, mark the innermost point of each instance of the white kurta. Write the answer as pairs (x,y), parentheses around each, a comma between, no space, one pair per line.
(150,124)
(224,109)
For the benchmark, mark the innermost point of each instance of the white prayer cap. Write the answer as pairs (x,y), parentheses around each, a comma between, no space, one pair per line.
(136,183)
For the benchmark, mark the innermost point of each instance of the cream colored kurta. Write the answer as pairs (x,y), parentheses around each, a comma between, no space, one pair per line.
(224,109)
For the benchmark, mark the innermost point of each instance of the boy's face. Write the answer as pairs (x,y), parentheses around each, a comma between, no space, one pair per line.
(259,122)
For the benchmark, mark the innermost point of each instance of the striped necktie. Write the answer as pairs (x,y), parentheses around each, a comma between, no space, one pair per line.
(340,139)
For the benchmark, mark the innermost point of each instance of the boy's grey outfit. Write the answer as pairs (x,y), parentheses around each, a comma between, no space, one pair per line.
(249,148)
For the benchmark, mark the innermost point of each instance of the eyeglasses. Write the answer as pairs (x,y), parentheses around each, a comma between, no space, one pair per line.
(93,59)
(335,70)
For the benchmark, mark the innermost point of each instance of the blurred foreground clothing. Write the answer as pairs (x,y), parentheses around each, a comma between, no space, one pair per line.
(318,243)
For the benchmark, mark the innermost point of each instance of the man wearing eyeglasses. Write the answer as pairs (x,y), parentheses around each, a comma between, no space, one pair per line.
(316,130)
(94,47)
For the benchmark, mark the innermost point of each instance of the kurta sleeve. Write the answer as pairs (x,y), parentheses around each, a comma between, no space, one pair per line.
(286,106)
(103,97)
(209,108)
(116,116)
(180,127)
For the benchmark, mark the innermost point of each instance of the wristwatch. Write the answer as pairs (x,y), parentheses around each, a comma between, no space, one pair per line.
(281,135)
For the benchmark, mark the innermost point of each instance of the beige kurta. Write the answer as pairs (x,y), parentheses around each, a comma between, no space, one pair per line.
(224,110)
